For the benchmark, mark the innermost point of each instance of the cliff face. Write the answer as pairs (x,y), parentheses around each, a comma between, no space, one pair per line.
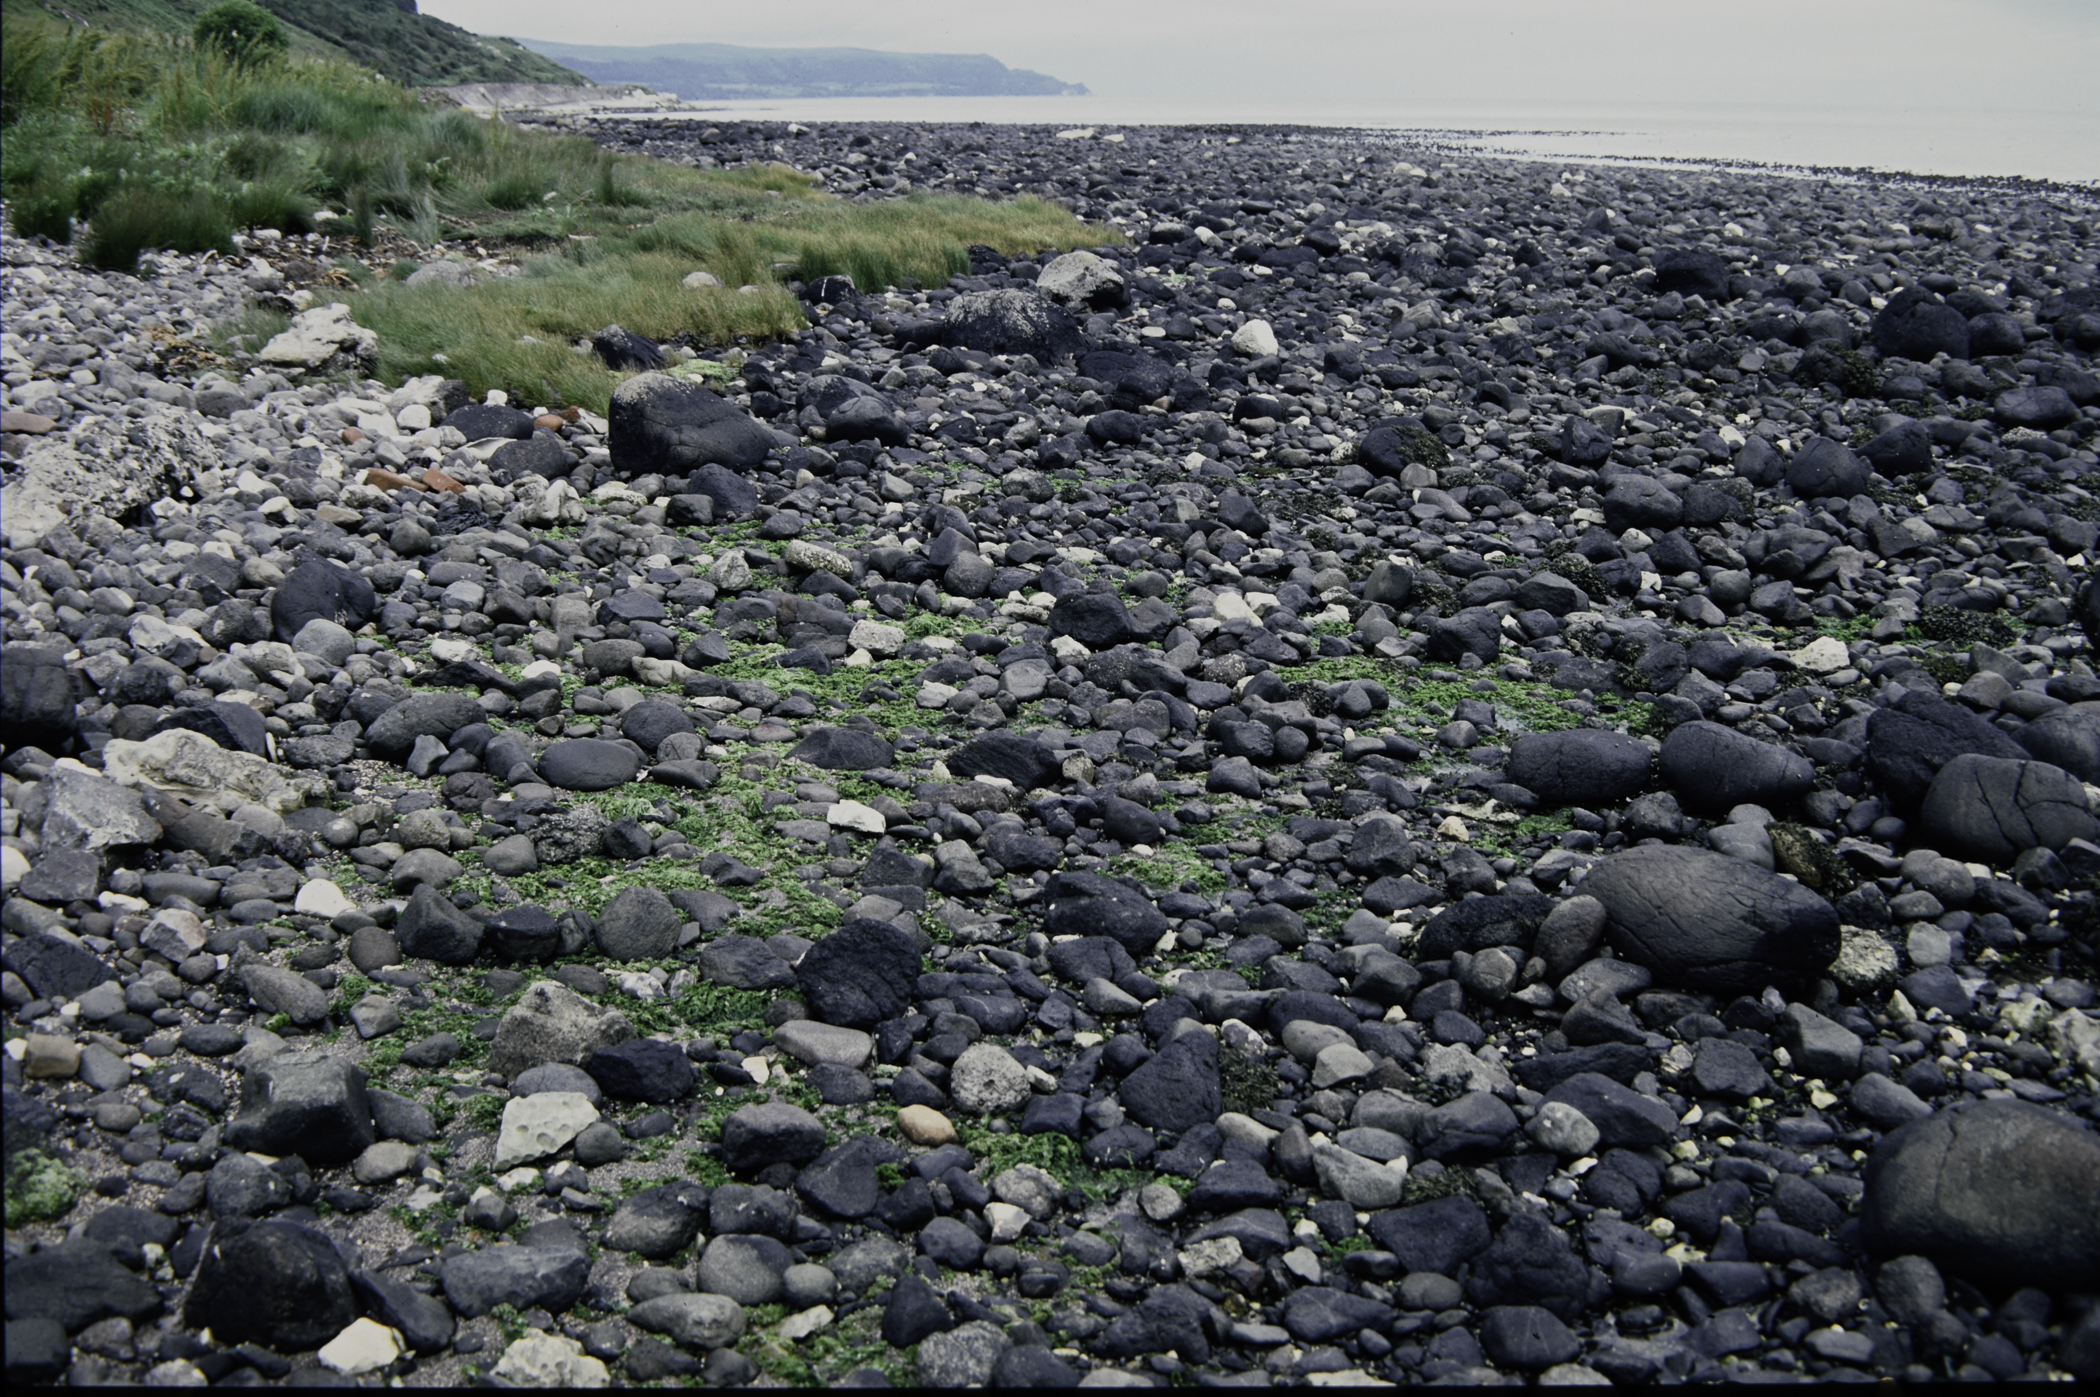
(719,71)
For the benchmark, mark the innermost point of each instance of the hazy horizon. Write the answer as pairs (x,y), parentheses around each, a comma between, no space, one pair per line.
(1950,55)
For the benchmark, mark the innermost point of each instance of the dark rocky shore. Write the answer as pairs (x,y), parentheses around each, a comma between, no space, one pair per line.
(1439,770)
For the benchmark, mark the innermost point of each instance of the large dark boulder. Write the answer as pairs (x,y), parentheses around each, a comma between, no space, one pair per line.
(1909,742)
(1715,768)
(1998,1192)
(1029,764)
(770,1132)
(649,722)
(279,1284)
(1640,502)
(75,1284)
(2036,406)
(588,764)
(2069,738)
(1904,449)
(1391,447)
(659,424)
(859,975)
(233,726)
(621,348)
(1995,808)
(1474,631)
(1703,920)
(543,454)
(1916,324)
(1692,272)
(1086,904)
(638,924)
(395,731)
(1825,467)
(733,496)
(37,695)
(1097,620)
(431,928)
(1530,1262)
(305,1102)
(844,749)
(642,1069)
(1437,1237)
(552,1278)
(319,590)
(1582,766)
(57,964)
(1624,1117)
(1177,1088)
(480,421)
(854,411)
(1012,322)
(1477,923)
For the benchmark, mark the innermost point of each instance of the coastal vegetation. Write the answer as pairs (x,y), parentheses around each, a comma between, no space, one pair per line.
(145,141)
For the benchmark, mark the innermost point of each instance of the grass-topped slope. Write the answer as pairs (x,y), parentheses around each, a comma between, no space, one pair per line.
(416,49)
(161,143)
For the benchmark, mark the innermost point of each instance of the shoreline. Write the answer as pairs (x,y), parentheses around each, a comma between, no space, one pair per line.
(1834,136)
(1446,140)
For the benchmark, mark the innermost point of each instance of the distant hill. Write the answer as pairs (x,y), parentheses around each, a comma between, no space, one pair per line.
(720,71)
(385,35)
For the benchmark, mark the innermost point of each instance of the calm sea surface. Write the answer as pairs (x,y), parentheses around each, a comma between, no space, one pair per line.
(2060,143)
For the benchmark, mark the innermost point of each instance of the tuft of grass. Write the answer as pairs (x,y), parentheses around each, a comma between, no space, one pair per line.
(702,1008)
(1250,1083)
(135,221)
(1056,1155)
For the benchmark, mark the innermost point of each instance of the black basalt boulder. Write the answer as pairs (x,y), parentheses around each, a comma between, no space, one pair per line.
(1999,1192)
(1703,920)
(319,590)
(667,425)
(859,975)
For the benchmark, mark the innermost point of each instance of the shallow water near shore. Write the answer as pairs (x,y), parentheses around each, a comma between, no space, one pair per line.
(2059,143)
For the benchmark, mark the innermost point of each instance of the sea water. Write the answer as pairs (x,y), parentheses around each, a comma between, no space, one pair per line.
(2059,143)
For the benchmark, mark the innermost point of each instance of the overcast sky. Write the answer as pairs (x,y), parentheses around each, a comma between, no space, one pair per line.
(1967,54)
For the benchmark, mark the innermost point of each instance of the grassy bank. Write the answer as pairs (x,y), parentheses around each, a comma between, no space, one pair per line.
(516,333)
(153,142)
(156,142)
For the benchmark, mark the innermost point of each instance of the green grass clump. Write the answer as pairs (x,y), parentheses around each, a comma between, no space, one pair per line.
(1250,1083)
(828,1355)
(518,333)
(704,1008)
(1427,1188)
(135,220)
(1533,707)
(1174,866)
(1056,1155)
(1514,838)
(241,31)
(40,1188)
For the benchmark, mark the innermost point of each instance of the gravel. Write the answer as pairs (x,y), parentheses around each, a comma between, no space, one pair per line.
(1436,769)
